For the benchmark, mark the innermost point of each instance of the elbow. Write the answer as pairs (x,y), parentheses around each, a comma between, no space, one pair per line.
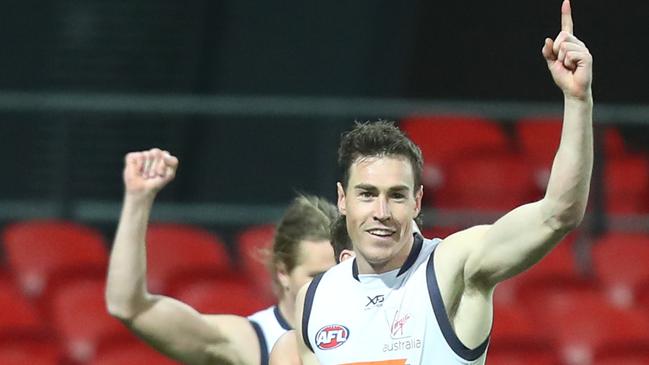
(119,311)
(567,218)
(119,307)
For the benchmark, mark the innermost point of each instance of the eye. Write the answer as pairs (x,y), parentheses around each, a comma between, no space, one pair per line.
(398,196)
(366,194)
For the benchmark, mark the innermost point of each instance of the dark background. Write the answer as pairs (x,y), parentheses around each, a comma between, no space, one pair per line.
(423,50)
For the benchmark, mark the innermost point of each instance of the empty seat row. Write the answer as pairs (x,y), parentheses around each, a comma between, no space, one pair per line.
(471,163)
(40,253)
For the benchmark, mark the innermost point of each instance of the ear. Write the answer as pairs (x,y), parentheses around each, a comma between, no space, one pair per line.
(346,254)
(418,196)
(282,276)
(341,199)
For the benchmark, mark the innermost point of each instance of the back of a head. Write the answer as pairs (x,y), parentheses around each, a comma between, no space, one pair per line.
(378,139)
(340,240)
(307,218)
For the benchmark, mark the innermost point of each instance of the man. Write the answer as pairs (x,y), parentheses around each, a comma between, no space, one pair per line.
(409,300)
(300,250)
(285,351)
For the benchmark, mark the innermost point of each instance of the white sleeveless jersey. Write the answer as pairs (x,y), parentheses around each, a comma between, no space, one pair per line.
(269,325)
(394,318)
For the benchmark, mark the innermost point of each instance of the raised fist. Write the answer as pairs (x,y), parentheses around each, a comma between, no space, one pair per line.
(149,171)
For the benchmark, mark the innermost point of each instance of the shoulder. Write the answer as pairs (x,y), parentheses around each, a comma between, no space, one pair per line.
(285,351)
(459,243)
(452,254)
(262,314)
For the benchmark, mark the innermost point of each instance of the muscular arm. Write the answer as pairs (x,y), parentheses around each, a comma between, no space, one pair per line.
(470,263)
(522,237)
(168,325)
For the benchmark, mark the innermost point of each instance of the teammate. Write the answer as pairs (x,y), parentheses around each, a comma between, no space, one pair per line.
(301,250)
(408,300)
(285,351)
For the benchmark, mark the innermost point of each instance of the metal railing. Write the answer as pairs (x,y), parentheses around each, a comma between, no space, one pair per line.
(314,109)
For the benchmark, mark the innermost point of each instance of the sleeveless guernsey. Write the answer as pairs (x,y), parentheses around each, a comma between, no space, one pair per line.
(394,318)
(269,325)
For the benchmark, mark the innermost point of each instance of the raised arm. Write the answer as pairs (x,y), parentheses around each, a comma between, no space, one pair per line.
(522,237)
(168,325)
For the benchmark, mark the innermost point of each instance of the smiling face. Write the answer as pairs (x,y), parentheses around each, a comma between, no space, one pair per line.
(380,202)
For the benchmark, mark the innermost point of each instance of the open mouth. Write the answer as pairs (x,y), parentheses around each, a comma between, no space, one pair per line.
(381,232)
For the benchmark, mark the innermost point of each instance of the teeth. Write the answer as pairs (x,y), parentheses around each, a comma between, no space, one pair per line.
(380,232)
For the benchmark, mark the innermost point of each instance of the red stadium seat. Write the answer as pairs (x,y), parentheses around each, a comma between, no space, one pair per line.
(444,138)
(642,295)
(620,261)
(624,356)
(29,351)
(626,184)
(623,359)
(536,294)
(130,353)
(525,355)
(226,295)
(38,249)
(254,246)
(17,315)
(538,139)
(584,324)
(517,339)
(80,317)
(488,182)
(177,249)
(514,327)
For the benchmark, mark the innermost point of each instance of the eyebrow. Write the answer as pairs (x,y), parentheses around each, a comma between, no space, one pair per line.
(368,187)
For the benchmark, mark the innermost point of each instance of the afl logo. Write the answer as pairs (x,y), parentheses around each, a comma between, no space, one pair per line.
(331,336)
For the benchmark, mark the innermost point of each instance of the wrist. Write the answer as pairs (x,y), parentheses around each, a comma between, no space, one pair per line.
(585,98)
(139,197)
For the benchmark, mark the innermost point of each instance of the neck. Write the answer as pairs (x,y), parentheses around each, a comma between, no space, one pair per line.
(287,308)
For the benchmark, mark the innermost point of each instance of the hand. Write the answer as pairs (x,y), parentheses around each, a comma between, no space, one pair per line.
(569,61)
(147,172)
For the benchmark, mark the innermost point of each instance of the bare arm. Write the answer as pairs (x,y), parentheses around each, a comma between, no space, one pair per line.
(470,263)
(522,237)
(165,323)
(285,351)
(307,357)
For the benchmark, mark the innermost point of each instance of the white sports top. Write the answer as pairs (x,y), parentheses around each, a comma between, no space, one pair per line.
(269,325)
(394,318)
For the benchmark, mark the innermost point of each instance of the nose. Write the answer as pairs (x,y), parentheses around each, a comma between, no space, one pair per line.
(382,210)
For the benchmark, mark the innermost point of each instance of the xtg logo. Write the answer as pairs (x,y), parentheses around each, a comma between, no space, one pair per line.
(375,301)
(331,336)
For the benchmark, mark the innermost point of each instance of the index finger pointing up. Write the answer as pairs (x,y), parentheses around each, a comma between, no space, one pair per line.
(566,17)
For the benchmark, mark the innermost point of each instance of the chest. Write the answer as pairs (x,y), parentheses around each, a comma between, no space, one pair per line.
(389,322)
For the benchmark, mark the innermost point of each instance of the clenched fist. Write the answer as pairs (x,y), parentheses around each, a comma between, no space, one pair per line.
(147,172)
